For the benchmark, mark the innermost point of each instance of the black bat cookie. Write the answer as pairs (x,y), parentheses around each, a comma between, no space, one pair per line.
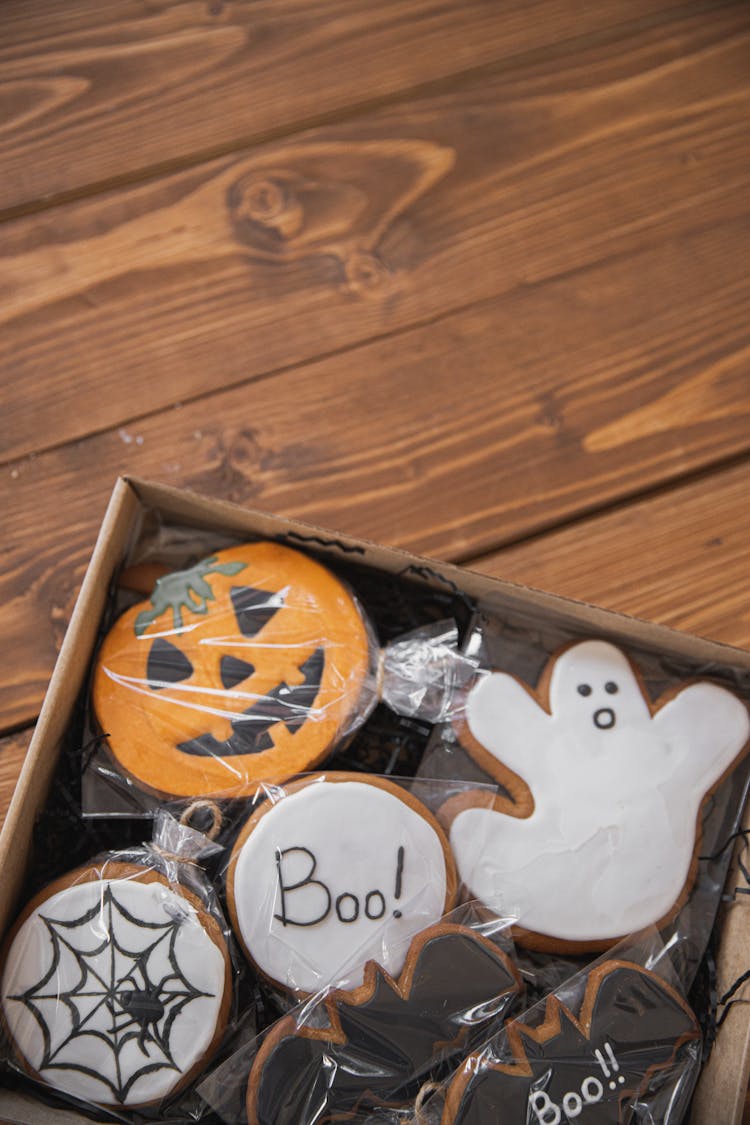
(629,1039)
(383,1036)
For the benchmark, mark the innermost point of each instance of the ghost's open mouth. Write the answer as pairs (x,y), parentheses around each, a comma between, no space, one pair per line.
(604,718)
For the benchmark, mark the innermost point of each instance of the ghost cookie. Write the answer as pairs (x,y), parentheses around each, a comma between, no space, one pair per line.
(379,1042)
(248,666)
(116,986)
(632,1040)
(599,834)
(340,870)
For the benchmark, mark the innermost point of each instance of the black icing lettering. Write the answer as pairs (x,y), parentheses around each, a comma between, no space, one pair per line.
(285,889)
(369,912)
(340,908)
(399,878)
(399,872)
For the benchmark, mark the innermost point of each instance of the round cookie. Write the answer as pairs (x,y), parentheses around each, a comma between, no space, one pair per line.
(116,985)
(341,870)
(598,836)
(247,667)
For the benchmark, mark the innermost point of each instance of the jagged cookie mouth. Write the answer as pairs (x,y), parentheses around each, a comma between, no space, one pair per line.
(251,729)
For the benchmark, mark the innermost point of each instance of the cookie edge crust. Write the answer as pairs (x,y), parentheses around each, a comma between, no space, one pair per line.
(271,772)
(114,870)
(357,997)
(550,1027)
(520,803)
(336,778)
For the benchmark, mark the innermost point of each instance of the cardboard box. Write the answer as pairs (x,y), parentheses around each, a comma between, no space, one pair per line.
(721,1093)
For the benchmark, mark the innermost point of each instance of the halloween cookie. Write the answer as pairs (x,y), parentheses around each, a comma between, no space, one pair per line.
(116,986)
(383,1038)
(247,667)
(631,1038)
(339,870)
(599,834)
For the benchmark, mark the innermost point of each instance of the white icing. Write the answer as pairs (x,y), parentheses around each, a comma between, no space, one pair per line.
(80,989)
(608,847)
(354,831)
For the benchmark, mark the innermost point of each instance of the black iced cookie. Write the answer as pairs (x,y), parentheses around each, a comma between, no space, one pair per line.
(385,1035)
(630,1038)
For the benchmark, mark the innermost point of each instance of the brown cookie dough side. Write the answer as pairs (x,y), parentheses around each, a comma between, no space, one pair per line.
(113,870)
(451,875)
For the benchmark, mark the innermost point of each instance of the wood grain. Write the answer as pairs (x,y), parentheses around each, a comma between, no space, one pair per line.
(12,753)
(679,558)
(91,92)
(493,423)
(118,306)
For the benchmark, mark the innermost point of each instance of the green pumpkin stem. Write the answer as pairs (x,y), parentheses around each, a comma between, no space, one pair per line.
(184,589)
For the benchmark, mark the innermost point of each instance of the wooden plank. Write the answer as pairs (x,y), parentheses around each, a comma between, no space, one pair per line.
(679,558)
(12,753)
(115,307)
(493,423)
(92,92)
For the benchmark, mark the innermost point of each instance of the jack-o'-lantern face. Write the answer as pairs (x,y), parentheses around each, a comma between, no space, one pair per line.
(247,667)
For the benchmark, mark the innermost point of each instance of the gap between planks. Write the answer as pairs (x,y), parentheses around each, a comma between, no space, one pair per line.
(170,292)
(350,111)
(694,579)
(661,392)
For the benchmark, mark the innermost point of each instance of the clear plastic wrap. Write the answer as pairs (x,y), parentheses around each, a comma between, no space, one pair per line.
(615,1045)
(252,664)
(344,1052)
(118,980)
(414,675)
(334,870)
(621,774)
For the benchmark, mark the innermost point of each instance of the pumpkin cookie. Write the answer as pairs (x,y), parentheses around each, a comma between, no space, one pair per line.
(247,667)
(342,868)
(116,985)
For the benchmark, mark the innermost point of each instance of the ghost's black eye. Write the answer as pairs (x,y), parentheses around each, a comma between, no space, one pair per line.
(584,689)
(611,687)
(166,664)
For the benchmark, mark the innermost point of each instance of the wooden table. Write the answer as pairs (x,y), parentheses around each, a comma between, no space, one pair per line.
(470,278)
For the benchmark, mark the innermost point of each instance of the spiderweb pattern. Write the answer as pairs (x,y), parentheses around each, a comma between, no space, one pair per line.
(121,996)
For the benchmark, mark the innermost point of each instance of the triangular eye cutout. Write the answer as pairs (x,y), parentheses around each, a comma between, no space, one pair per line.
(254,608)
(234,671)
(166,664)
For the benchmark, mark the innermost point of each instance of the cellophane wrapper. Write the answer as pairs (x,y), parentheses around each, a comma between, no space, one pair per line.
(343,1053)
(119,982)
(616,1044)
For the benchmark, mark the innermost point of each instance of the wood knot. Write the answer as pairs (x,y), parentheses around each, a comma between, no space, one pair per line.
(365,273)
(269,203)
